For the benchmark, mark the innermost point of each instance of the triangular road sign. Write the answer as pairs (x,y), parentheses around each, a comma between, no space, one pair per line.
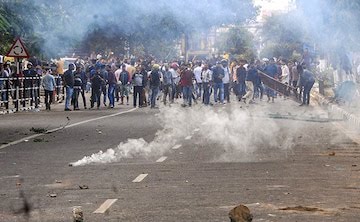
(18,50)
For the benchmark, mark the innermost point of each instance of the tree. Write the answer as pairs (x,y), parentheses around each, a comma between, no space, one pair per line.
(237,41)
(282,36)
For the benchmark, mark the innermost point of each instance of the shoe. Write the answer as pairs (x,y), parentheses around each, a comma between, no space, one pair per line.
(104,104)
(67,109)
(302,104)
(85,107)
(76,109)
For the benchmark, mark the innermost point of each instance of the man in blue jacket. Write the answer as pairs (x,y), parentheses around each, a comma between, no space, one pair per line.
(218,75)
(307,81)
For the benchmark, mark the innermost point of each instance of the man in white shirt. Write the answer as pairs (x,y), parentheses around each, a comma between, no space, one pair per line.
(197,74)
(226,80)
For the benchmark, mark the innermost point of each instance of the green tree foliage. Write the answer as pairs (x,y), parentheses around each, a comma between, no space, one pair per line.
(282,36)
(237,41)
(53,27)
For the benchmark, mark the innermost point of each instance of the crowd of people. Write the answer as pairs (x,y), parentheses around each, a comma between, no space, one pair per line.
(111,82)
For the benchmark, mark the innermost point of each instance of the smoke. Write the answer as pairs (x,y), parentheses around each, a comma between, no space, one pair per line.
(66,23)
(236,132)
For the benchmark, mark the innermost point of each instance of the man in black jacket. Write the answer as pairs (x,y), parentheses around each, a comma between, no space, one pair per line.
(69,85)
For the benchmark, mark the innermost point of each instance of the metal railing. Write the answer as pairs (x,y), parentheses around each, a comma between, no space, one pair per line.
(24,93)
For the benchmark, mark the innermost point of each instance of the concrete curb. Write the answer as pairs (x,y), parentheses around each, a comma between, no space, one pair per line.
(353,120)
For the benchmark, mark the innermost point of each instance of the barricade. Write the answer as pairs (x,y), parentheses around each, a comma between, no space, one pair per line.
(24,93)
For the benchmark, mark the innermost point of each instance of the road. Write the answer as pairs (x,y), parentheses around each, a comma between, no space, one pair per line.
(179,164)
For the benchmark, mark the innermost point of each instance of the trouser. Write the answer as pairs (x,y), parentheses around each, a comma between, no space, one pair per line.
(69,94)
(199,89)
(219,87)
(117,92)
(154,92)
(187,94)
(167,91)
(104,92)
(83,96)
(76,97)
(259,90)
(306,93)
(95,96)
(48,98)
(250,90)
(111,94)
(227,91)
(207,92)
(242,89)
(138,91)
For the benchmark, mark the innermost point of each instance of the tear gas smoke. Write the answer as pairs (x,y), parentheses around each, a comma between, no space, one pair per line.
(234,130)
(74,20)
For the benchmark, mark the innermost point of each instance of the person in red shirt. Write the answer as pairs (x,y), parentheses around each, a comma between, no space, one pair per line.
(186,83)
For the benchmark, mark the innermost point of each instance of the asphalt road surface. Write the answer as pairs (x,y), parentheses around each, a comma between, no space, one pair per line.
(180,164)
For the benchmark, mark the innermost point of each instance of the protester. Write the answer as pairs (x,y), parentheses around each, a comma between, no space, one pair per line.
(271,70)
(250,82)
(167,85)
(226,80)
(197,75)
(96,83)
(154,84)
(69,85)
(186,83)
(307,81)
(138,80)
(49,85)
(77,90)
(241,77)
(124,79)
(218,75)
(112,86)
(206,76)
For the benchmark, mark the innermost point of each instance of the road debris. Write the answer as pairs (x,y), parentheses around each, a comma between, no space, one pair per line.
(38,130)
(39,140)
(78,214)
(241,213)
(332,154)
(302,208)
(83,187)
(53,195)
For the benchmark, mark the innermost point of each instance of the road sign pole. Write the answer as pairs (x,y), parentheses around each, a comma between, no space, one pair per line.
(17,94)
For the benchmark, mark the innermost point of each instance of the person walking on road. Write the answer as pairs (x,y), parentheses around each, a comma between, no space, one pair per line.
(307,81)
(96,83)
(154,84)
(124,79)
(69,85)
(138,80)
(49,85)
(112,86)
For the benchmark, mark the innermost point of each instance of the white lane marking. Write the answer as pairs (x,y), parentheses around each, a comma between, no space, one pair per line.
(9,177)
(188,138)
(65,127)
(177,146)
(140,178)
(161,159)
(105,206)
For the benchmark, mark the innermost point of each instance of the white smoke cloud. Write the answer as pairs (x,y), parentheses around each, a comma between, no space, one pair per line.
(233,130)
